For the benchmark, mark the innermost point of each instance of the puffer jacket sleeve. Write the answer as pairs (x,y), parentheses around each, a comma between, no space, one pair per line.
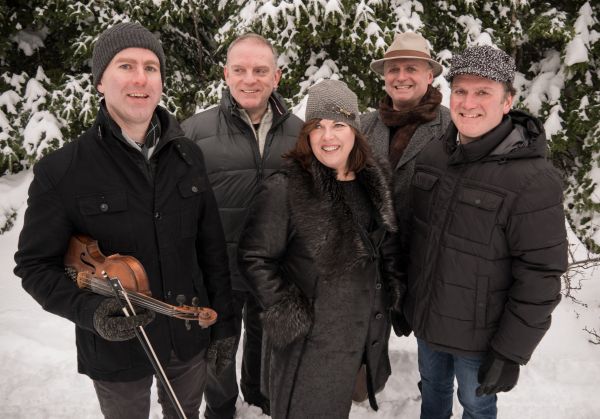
(211,251)
(263,241)
(537,241)
(43,243)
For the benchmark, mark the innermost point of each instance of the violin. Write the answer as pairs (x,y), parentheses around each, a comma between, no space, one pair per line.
(85,263)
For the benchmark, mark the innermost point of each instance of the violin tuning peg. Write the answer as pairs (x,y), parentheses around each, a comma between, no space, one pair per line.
(195,301)
(180,299)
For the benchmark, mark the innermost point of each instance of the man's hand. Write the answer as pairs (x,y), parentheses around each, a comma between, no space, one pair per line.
(110,321)
(220,353)
(496,374)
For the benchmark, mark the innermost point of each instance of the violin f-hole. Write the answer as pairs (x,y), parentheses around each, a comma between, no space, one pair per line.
(82,255)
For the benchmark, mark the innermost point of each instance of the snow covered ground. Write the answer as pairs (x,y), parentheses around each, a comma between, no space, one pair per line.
(39,378)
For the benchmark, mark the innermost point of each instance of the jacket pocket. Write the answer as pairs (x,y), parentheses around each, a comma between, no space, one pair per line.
(475,215)
(107,220)
(192,186)
(423,194)
(190,190)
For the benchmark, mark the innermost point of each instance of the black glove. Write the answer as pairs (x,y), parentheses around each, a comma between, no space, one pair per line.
(110,321)
(396,292)
(220,353)
(496,374)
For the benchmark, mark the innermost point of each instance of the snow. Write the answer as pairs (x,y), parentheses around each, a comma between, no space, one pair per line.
(8,100)
(547,85)
(40,379)
(576,51)
(29,42)
(37,349)
(553,122)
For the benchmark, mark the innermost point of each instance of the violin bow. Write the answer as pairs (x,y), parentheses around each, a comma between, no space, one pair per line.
(140,333)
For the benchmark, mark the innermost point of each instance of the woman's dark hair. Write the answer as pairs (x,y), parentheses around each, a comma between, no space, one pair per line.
(358,158)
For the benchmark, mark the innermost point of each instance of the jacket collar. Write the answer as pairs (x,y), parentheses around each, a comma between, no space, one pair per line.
(375,178)
(519,135)
(276,102)
(169,126)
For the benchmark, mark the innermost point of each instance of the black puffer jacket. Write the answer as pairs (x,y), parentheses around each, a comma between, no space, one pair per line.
(488,241)
(233,162)
(100,186)
(314,269)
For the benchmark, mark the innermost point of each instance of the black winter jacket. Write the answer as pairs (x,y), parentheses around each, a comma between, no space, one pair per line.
(488,241)
(300,238)
(233,162)
(99,186)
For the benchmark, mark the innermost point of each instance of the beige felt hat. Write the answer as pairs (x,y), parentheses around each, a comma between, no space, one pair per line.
(407,45)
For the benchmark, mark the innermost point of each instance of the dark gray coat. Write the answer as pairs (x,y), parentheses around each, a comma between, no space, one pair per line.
(488,242)
(234,164)
(100,186)
(323,284)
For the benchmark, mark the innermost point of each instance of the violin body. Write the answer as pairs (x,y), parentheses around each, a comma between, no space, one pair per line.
(88,265)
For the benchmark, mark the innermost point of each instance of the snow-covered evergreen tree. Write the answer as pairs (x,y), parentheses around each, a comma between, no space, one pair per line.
(46,91)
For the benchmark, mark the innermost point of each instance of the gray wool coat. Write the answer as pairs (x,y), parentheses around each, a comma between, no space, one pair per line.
(378,135)
(323,282)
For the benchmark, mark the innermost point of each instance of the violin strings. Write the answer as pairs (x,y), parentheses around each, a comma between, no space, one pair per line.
(102,287)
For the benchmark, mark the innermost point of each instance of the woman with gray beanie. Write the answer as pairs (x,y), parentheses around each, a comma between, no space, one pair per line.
(317,252)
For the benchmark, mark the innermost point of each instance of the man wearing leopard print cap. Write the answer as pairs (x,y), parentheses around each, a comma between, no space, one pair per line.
(488,241)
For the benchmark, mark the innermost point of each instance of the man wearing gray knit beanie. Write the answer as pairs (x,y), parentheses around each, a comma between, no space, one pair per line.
(132,184)
(488,243)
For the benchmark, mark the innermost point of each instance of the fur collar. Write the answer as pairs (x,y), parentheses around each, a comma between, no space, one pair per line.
(324,220)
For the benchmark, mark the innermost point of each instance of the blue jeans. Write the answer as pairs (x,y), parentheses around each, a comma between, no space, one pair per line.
(438,370)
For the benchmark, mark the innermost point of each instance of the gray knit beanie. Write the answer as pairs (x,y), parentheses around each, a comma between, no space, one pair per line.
(119,37)
(484,61)
(332,99)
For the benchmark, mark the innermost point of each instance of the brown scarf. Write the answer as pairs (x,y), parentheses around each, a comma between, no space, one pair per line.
(406,122)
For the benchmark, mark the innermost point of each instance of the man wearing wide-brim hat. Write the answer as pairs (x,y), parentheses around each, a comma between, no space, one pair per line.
(408,117)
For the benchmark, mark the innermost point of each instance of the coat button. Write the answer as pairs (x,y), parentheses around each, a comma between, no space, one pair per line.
(157,215)
(104,207)
(378,286)
(194,189)
(379,316)
(478,201)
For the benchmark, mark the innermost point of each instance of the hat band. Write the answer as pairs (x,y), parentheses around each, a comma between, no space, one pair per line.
(399,53)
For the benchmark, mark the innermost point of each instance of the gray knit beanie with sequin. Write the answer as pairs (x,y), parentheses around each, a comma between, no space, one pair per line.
(332,99)
(119,37)
(484,61)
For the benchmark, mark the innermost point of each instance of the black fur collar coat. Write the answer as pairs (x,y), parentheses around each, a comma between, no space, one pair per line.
(300,238)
